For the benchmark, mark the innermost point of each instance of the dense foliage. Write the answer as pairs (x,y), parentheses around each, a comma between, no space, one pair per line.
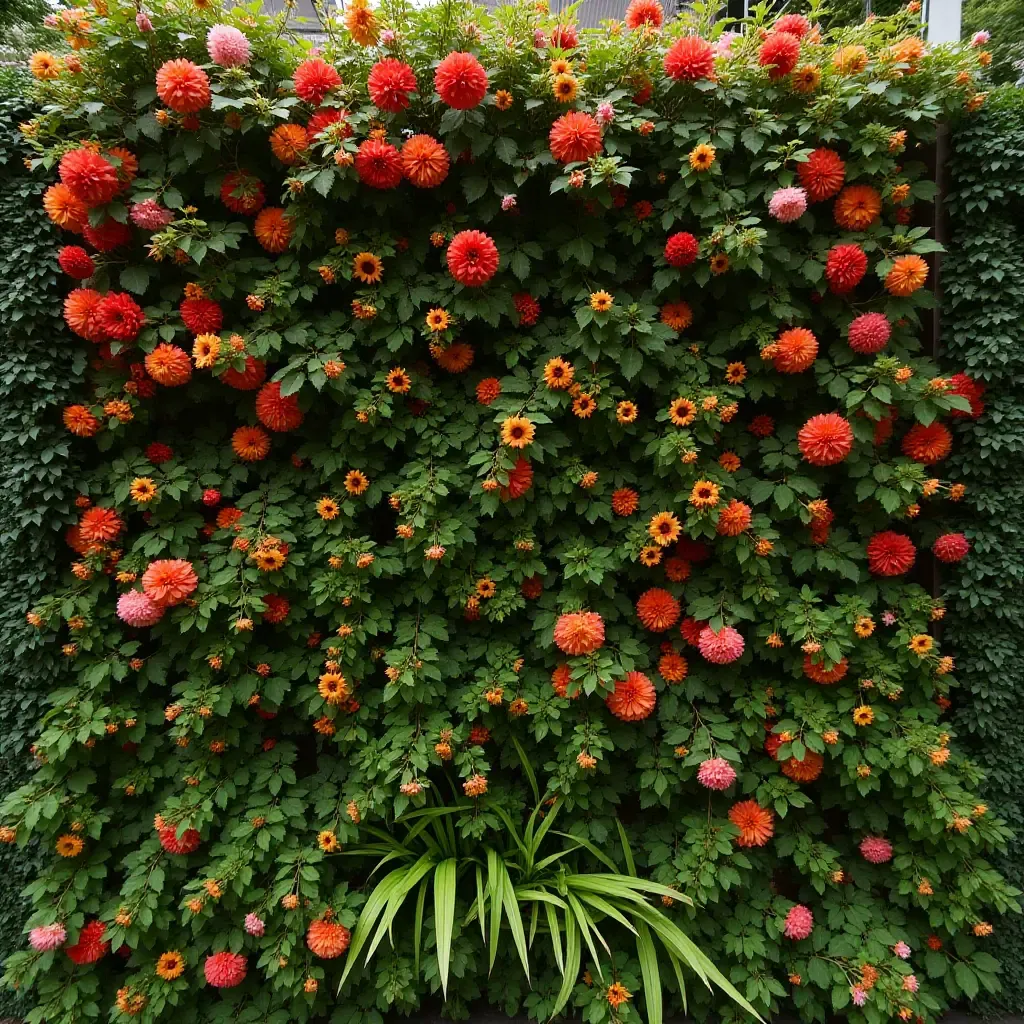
(485,413)
(982,318)
(36,380)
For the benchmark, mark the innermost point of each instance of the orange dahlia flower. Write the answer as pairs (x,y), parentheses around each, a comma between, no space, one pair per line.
(273,229)
(251,444)
(579,632)
(795,351)
(908,273)
(169,365)
(657,610)
(756,823)
(857,207)
(327,939)
(289,143)
(633,698)
(182,86)
(168,582)
(64,208)
(424,161)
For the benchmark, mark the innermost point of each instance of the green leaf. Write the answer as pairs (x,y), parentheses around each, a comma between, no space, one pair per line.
(444,916)
(135,279)
(648,957)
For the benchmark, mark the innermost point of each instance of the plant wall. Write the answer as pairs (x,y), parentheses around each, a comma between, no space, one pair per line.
(982,331)
(488,417)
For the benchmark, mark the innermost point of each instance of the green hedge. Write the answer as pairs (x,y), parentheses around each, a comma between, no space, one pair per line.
(983,328)
(34,467)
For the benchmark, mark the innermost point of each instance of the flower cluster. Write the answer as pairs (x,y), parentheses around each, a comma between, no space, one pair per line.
(481,404)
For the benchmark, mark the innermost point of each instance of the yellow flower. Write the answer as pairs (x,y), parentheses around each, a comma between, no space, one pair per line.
(327,508)
(438,320)
(704,494)
(601,302)
(921,644)
(327,841)
(558,374)
(367,268)
(205,350)
(702,157)
(398,381)
(143,489)
(565,88)
(664,528)
(517,432)
(626,412)
(44,65)
(170,965)
(503,99)
(69,845)
(863,714)
(682,412)
(356,482)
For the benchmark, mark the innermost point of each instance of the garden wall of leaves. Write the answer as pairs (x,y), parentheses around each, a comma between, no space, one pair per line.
(37,468)
(475,417)
(983,330)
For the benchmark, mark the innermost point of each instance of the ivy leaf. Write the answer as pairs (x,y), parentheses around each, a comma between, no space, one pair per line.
(135,279)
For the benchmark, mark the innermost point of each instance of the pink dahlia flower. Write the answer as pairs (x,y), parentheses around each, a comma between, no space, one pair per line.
(722,647)
(150,215)
(788,204)
(225,970)
(47,937)
(869,333)
(799,922)
(910,983)
(254,925)
(716,773)
(980,38)
(723,45)
(142,22)
(227,46)
(508,202)
(138,610)
(902,950)
(859,995)
(876,850)
(605,113)
(888,619)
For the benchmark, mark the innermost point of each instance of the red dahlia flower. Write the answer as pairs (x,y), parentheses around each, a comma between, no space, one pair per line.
(826,439)
(951,547)
(461,81)
(890,553)
(565,37)
(187,842)
(644,12)
(90,945)
(314,79)
(472,258)
(91,178)
(201,316)
(689,59)
(424,161)
(927,444)
(242,192)
(182,86)
(681,249)
(780,52)
(278,412)
(575,137)
(822,174)
(845,267)
(520,480)
(657,610)
(81,313)
(795,24)
(579,632)
(249,379)
(76,262)
(390,83)
(633,698)
(108,235)
(120,316)
(378,164)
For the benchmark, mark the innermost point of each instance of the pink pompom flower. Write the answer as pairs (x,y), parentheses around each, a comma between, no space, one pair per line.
(508,202)
(869,333)
(799,922)
(605,113)
(47,937)
(876,849)
(902,950)
(980,38)
(723,45)
(910,983)
(138,610)
(225,970)
(722,647)
(142,22)
(716,773)
(150,215)
(254,925)
(859,995)
(788,204)
(227,46)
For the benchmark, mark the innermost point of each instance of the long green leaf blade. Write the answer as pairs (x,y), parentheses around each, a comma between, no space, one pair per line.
(417,928)
(648,958)
(515,921)
(527,768)
(572,964)
(480,903)
(444,916)
(495,886)
(555,930)
(585,922)
(371,911)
